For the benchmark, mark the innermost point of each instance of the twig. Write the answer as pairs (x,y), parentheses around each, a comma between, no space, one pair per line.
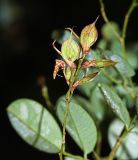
(121,38)
(107,20)
(133,5)
(118,144)
(68,99)
(96,156)
(73,156)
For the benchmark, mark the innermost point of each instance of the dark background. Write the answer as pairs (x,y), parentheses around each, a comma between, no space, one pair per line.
(26,53)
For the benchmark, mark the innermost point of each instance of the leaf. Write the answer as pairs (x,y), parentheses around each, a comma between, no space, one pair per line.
(132,56)
(79,125)
(115,103)
(123,66)
(85,104)
(98,105)
(108,30)
(35,125)
(68,158)
(128,150)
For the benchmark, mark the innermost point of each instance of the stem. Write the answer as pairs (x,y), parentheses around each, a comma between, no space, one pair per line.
(68,99)
(85,157)
(121,38)
(73,156)
(133,5)
(107,20)
(96,156)
(118,144)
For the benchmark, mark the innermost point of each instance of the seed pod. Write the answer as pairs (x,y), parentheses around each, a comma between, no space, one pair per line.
(88,36)
(70,50)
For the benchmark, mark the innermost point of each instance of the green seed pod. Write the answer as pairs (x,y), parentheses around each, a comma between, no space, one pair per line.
(70,50)
(88,36)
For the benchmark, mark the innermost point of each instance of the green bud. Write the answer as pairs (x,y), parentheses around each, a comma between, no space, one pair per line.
(70,50)
(88,36)
(104,63)
(67,73)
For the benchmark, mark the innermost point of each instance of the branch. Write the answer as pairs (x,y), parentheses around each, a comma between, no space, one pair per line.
(107,20)
(118,144)
(133,5)
(68,99)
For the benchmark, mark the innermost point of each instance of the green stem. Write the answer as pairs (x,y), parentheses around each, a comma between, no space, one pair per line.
(133,5)
(118,144)
(96,156)
(68,99)
(107,20)
(73,156)
(85,157)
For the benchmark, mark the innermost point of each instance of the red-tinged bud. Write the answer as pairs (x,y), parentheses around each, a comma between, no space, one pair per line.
(88,36)
(88,64)
(104,63)
(84,80)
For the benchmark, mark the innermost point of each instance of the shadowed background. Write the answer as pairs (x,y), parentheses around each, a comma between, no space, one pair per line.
(26,53)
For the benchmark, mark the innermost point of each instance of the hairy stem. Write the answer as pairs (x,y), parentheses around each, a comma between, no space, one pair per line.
(68,99)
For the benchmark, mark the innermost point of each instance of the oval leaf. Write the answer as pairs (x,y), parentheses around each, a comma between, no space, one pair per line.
(35,125)
(79,125)
(128,150)
(123,66)
(115,103)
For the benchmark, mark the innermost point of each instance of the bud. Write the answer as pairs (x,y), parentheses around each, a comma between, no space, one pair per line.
(84,80)
(104,63)
(70,50)
(88,36)
(67,73)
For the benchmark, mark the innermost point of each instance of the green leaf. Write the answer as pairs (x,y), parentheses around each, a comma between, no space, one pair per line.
(98,105)
(79,125)
(68,158)
(132,54)
(85,104)
(123,66)
(108,30)
(35,125)
(115,103)
(128,150)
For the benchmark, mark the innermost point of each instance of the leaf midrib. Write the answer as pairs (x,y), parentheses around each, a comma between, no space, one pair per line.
(29,127)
